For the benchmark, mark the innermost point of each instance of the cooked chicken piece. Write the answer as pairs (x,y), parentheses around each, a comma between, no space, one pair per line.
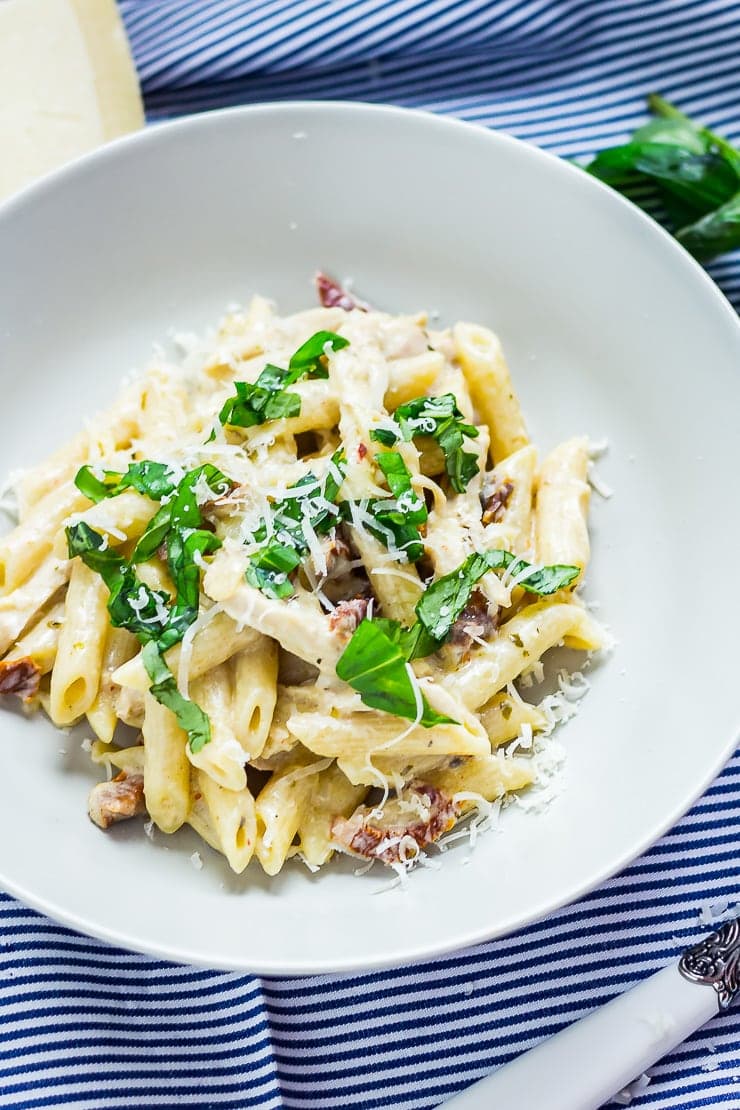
(117,800)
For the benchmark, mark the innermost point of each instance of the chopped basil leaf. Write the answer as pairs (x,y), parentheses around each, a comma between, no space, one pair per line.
(268,570)
(375,665)
(384,436)
(131,604)
(152,479)
(440,418)
(374,661)
(268,398)
(150,614)
(153,535)
(442,603)
(181,511)
(190,717)
(269,567)
(400,514)
(308,358)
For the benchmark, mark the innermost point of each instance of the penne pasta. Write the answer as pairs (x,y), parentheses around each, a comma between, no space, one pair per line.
(563,494)
(75,678)
(482,360)
(313,560)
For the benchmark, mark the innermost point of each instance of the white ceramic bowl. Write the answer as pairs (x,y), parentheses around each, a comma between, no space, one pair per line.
(610,328)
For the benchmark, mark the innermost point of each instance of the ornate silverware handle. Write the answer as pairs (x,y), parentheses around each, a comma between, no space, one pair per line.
(585,1064)
(716,962)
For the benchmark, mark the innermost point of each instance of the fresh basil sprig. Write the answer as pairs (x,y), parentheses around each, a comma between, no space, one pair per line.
(374,661)
(440,418)
(269,398)
(695,173)
(152,479)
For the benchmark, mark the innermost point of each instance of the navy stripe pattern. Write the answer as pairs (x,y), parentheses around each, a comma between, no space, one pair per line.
(88,1026)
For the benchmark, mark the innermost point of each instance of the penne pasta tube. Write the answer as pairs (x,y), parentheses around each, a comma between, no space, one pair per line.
(363,734)
(490,776)
(254,685)
(411,377)
(226,819)
(105,711)
(508,495)
(281,806)
(120,519)
(504,715)
(17,610)
(75,678)
(166,767)
(55,471)
(213,644)
(223,759)
(40,642)
(520,643)
(334,796)
(563,494)
(482,360)
(24,549)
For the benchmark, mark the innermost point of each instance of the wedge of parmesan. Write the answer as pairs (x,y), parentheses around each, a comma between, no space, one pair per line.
(67,84)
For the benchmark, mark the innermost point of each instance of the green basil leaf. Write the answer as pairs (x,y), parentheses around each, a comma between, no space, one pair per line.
(93,487)
(414,642)
(401,514)
(702,180)
(308,358)
(715,233)
(375,666)
(268,398)
(269,568)
(152,479)
(153,535)
(384,436)
(190,717)
(282,405)
(440,418)
(442,603)
(131,604)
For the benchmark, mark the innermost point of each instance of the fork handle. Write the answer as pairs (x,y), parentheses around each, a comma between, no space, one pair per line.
(587,1063)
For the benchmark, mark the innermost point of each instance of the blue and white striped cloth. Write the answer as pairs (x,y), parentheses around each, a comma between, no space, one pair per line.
(85,1025)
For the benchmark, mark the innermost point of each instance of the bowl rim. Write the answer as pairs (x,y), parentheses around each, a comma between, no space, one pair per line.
(194,123)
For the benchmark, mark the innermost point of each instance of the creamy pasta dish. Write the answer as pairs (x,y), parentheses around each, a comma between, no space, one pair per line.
(293,581)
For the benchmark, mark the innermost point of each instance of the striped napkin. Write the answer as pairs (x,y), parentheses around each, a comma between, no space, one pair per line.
(85,1025)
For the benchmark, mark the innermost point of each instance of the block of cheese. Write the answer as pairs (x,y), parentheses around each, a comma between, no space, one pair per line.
(67,84)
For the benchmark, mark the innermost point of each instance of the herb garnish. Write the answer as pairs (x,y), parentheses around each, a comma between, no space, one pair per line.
(153,479)
(310,508)
(695,173)
(440,418)
(402,513)
(269,398)
(375,660)
(375,665)
(151,615)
